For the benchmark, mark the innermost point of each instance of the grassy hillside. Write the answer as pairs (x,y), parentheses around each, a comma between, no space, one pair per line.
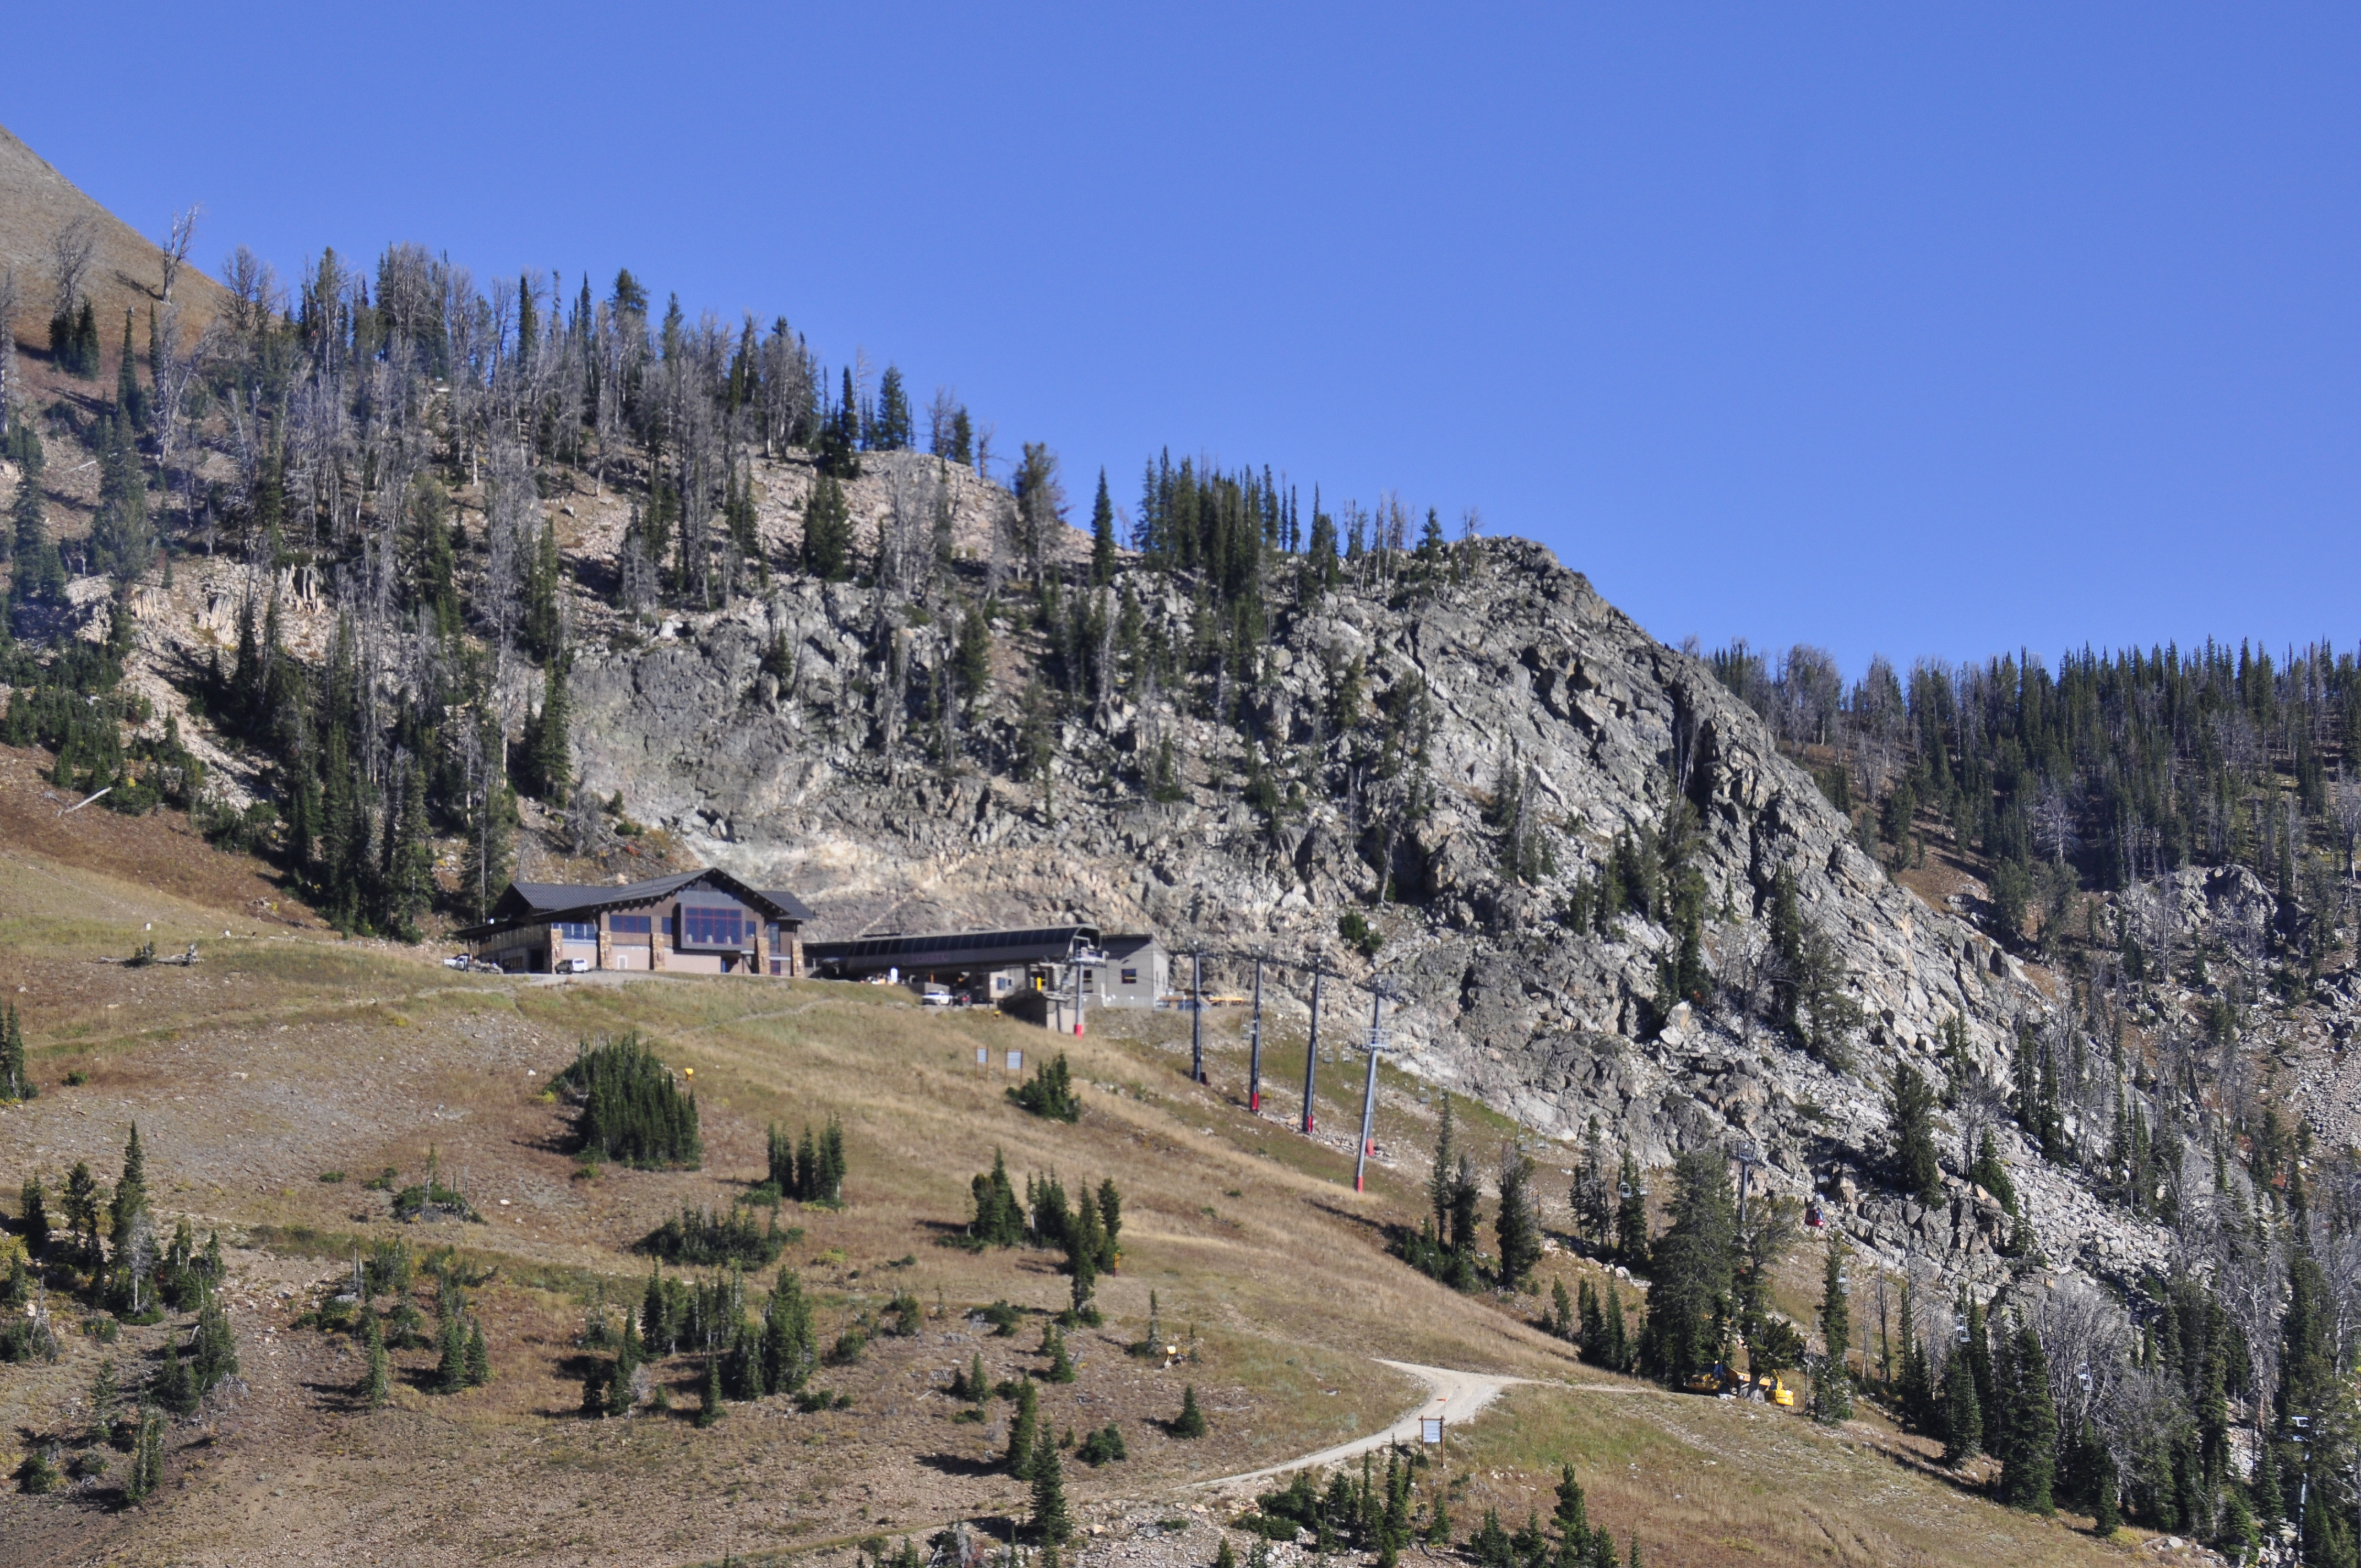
(126,272)
(284,1054)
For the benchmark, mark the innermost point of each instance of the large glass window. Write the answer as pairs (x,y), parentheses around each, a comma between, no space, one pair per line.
(628,925)
(578,930)
(707,926)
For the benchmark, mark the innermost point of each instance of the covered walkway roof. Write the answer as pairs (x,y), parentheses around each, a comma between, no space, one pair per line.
(947,950)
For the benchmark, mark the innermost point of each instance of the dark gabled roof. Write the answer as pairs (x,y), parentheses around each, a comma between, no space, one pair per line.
(795,907)
(526,903)
(948,949)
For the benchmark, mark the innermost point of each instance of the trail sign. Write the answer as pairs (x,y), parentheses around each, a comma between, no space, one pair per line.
(1429,1428)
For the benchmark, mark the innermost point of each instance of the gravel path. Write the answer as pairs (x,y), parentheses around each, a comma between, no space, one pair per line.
(1456,1396)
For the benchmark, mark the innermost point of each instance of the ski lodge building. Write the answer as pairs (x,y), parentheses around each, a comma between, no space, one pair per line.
(703,922)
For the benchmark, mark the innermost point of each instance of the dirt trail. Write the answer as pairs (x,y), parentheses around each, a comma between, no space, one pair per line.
(1456,1396)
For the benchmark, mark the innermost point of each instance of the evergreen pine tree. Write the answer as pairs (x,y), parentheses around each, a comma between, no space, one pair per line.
(1571,1516)
(2270,1503)
(1912,1106)
(1110,1227)
(408,874)
(479,1361)
(130,1193)
(1061,1366)
(1963,1426)
(1024,1431)
(839,438)
(1593,1210)
(451,1366)
(2105,1509)
(147,1456)
(33,1215)
(375,1379)
(105,1392)
(831,1163)
(1630,1217)
(121,540)
(627,1358)
(1051,1524)
(828,531)
(82,354)
(1990,1174)
(1518,1225)
(1439,1175)
(1978,1351)
(37,575)
(128,400)
(1561,1318)
(596,1371)
(1832,1382)
(544,629)
(1690,1296)
(890,432)
(786,1346)
(1191,1421)
(708,1408)
(553,734)
(15,1084)
(971,655)
(2033,1438)
(1916,1389)
(1101,536)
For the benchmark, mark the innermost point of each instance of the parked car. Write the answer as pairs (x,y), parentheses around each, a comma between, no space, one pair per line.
(935,996)
(458,961)
(573,966)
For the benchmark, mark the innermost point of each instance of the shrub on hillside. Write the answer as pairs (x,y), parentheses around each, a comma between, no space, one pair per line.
(1050,1092)
(701,1238)
(631,1111)
(811,1170)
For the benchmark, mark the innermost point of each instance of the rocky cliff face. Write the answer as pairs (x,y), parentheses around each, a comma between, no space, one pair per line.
(815,774)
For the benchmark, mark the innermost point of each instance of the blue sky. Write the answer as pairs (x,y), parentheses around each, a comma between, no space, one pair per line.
(1927,330)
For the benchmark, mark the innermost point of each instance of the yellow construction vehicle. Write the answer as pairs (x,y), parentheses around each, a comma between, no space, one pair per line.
(1772,1388)
(1719,1380)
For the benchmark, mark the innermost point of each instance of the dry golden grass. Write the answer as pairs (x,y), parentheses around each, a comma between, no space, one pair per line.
(126,272)
(1715,1482)
(285,1054)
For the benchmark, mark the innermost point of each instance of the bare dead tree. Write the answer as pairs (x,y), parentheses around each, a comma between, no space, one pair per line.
(253,291)
(2346,808)
(11,302)
(180,236)
(2252,1279)
(175,370)
(72,250)
(511,513)
(2053,823)
(2338,1253)
(2086,1340)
